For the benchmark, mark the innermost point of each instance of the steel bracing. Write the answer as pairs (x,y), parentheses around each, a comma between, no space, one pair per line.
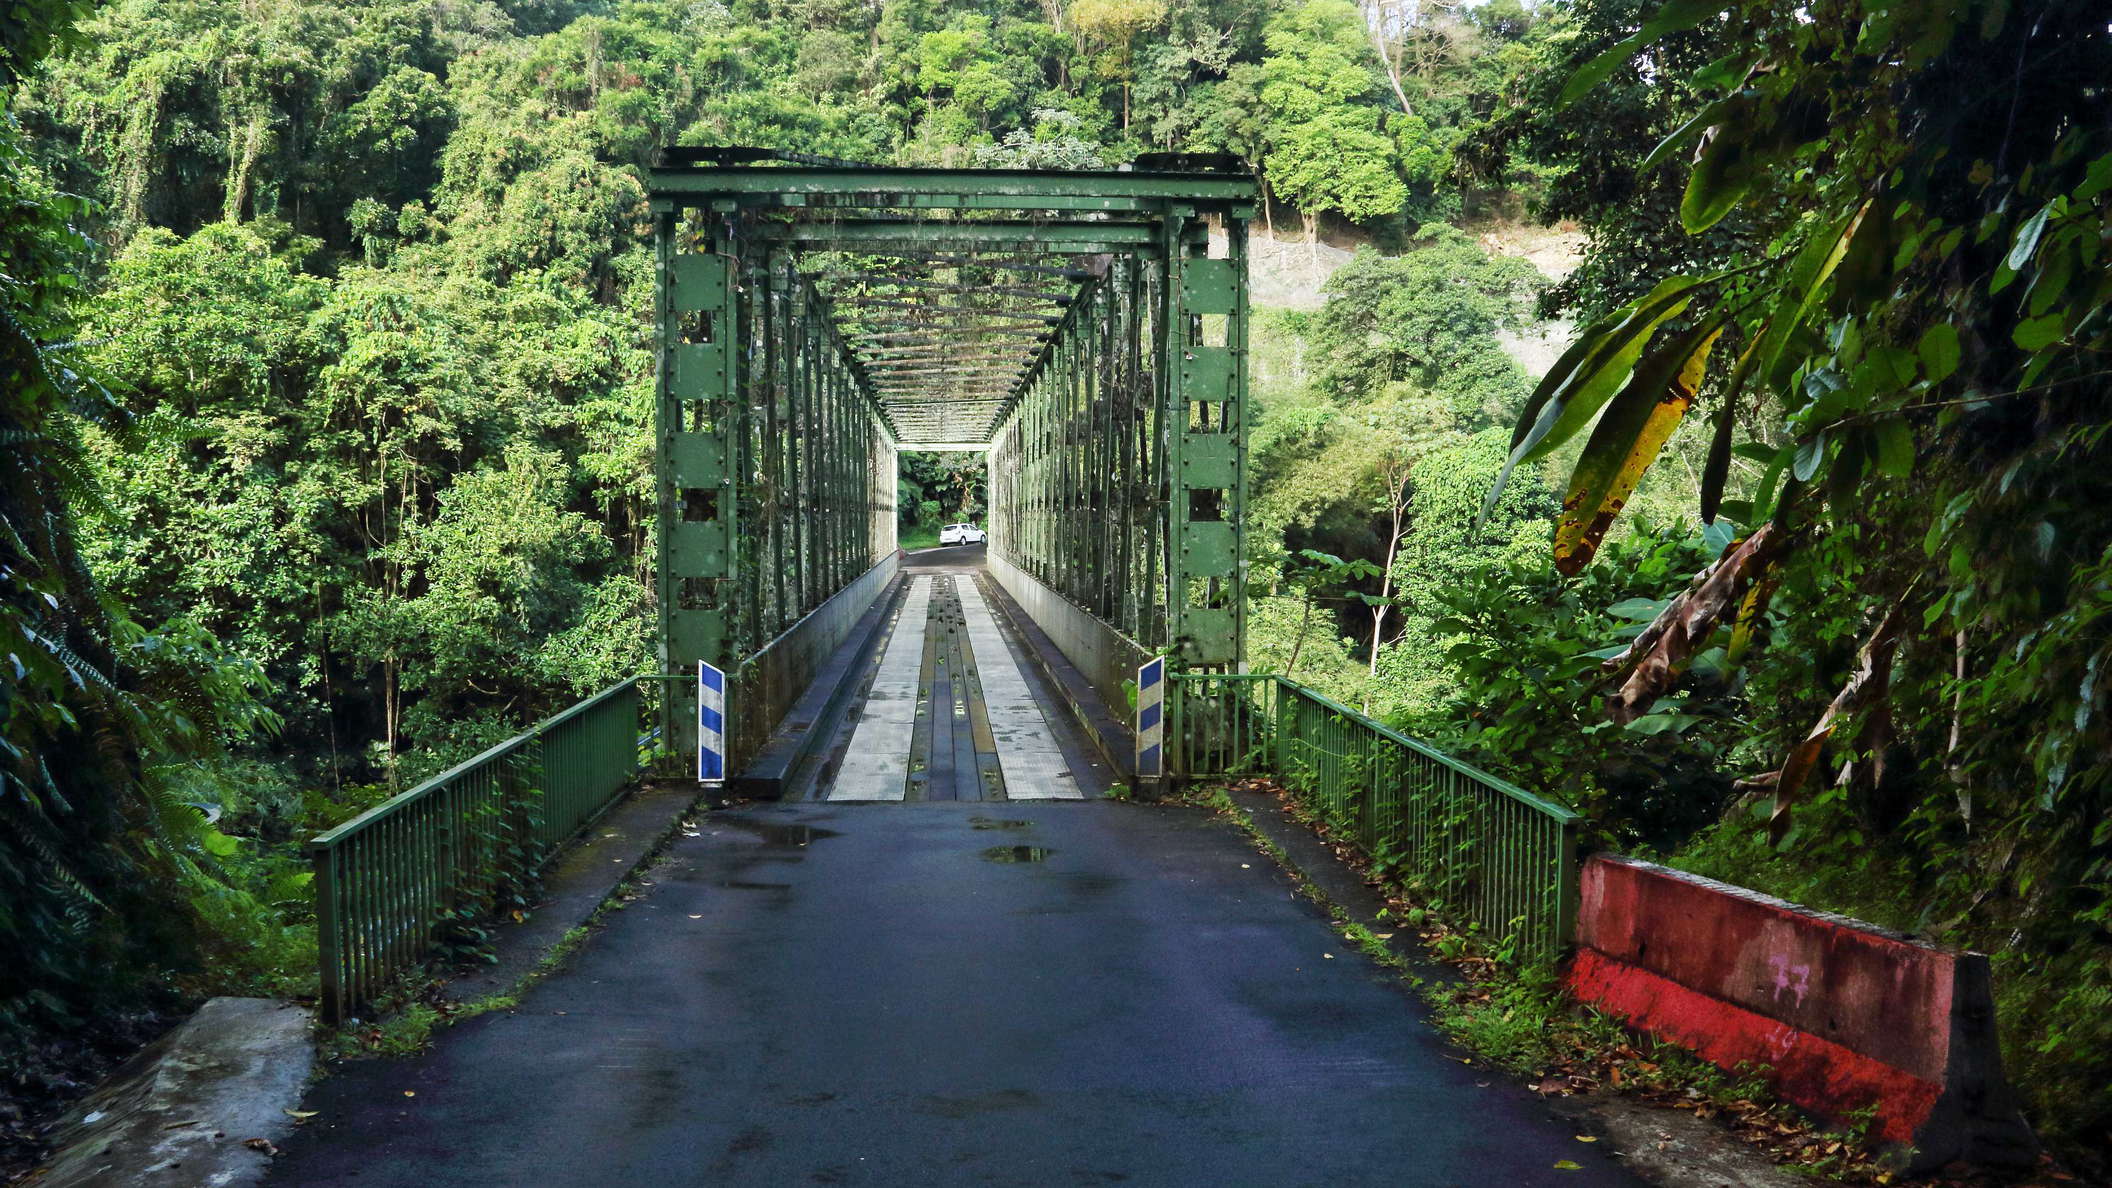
(1085,329)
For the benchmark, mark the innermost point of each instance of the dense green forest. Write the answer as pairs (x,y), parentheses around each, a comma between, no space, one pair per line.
(326,395)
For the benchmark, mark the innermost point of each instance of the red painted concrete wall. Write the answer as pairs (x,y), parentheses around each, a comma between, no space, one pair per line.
(1841,1015)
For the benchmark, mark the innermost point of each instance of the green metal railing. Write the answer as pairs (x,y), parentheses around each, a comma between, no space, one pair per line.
(389,881)
(1480,850)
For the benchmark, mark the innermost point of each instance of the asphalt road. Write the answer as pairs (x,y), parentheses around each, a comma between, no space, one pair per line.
(937,994)
(948,557)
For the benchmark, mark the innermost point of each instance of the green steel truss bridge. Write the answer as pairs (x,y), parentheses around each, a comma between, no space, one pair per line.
(816,991)
(1084,330)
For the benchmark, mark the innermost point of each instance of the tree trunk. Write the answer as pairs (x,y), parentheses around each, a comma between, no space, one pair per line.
(1298,641)
(1392,63)
(389,692)
(1378,613)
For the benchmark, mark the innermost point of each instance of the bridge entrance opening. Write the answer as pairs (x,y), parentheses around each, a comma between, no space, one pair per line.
(1084,332)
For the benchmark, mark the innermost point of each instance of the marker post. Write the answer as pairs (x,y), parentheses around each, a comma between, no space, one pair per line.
(711,724)
(1151,720)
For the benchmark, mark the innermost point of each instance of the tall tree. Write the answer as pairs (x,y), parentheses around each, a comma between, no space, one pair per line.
(1327,152)
(1115,25)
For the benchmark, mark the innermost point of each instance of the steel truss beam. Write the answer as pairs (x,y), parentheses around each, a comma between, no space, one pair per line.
(1019,237)
(946,335)
(882,278)
(928,307)
(1075,275)
(949,355)
(962,323)
(936,367)
(960,189)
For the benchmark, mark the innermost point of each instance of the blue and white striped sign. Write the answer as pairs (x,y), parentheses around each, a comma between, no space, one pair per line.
(1151,719)
(711,724)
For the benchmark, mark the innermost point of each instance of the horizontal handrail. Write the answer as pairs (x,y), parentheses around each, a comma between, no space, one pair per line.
(331,836)
(1496,783)
(1499,858)
(466,841)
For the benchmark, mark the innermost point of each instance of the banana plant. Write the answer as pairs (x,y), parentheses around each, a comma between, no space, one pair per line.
(1933,293)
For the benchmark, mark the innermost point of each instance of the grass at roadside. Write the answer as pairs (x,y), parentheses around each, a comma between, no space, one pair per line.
(919,538)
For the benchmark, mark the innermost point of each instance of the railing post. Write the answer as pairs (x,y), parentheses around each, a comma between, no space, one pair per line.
(1567,890)
(329,942)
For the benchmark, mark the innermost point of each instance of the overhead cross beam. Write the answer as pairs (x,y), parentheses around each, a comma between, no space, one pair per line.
(927,307)
(953,189)
(1078,275)
(940,351)
(1019,237)
(1036,324)
(949,358)
(888,279)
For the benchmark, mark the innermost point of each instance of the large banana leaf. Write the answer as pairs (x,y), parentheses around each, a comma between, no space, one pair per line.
(1627,440)
(1589,373)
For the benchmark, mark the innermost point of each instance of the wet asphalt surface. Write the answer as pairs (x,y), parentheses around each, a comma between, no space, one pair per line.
(948,557)
(924,994)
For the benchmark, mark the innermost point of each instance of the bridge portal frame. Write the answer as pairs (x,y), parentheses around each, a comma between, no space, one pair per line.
(1118,450)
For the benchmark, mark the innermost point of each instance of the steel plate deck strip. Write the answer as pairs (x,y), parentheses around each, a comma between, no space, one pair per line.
(876,766)
(1027,753)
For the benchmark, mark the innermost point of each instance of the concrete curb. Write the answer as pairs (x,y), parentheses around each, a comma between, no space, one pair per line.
(1102,728)
(205,1104)
(794,746)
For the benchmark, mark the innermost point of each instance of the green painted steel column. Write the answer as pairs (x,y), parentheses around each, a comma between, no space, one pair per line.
(695,493)
(1205,319)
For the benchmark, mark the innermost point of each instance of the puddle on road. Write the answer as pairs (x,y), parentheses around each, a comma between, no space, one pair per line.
(741,885)
(982,1103)
(789,837)
(1017,854)
(990,823)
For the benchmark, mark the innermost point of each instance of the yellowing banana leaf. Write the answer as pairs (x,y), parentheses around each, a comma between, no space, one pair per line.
(1748,621)
(1627,440)
(1576,402)
(1588,373)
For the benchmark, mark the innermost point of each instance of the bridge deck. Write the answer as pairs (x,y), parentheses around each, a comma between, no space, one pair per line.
(939,994)
(952,708)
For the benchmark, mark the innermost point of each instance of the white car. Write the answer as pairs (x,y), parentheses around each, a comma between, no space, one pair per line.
(961,534)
